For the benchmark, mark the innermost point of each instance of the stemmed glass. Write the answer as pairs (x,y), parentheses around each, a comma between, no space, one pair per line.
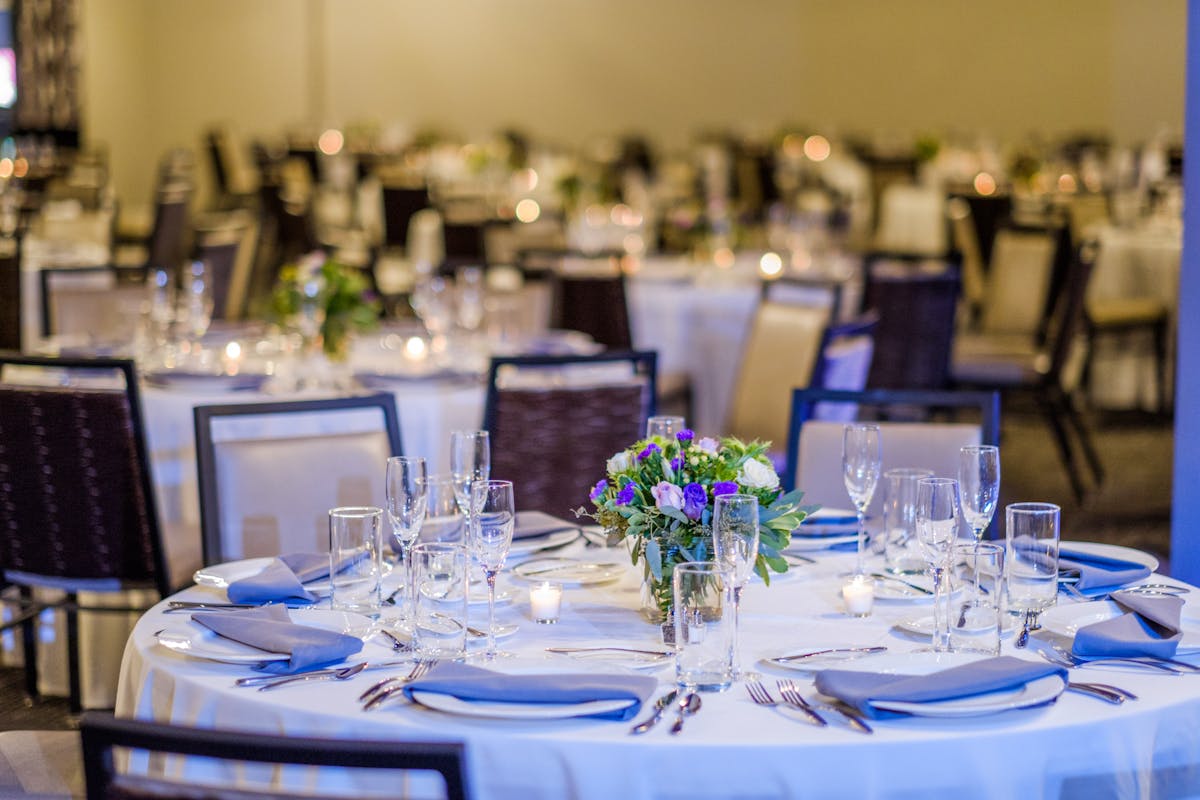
(937,525)
(470,461)
(979,484)
(862,461)
(493,513)
(735,546)
(406,495)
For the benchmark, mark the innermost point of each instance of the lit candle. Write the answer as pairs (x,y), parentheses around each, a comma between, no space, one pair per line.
(859,596)
(545,600)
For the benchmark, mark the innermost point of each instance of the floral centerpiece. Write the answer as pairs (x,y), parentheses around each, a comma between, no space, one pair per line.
(326,300)
(660,493)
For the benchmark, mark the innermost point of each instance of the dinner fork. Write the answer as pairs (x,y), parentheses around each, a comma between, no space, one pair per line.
(1060,657)
(759,694)
(791,693)
(381,691)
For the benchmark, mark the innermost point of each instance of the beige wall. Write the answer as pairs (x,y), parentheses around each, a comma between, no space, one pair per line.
(157,72)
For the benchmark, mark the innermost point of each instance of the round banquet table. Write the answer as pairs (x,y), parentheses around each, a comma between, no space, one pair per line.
(1075,747)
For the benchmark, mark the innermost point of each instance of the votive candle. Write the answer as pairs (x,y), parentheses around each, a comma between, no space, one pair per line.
(545,601)
(859,596)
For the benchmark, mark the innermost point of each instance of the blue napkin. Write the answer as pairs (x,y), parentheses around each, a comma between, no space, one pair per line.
(476,684)
(282,580)
(271,629)
(860,689)
(531,524)
(1099,574)
(1149,627)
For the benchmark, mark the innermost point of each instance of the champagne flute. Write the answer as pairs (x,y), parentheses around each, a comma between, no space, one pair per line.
(493,514)
(470,461)
(862,461)
(406,494)
(937,526)
(979,484)
(735,546)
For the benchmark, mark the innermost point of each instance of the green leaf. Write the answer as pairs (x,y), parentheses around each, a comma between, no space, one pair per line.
(654,559)
(675,514)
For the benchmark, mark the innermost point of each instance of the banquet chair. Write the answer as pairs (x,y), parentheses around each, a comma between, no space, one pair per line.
(555,420)
(89,302)
(912,219)
(269,472)
(102,734)
(42,764)
(10,293)
(594,304)
(1024,276)
(77,498)
(911,435)
(225,246)
(400,203)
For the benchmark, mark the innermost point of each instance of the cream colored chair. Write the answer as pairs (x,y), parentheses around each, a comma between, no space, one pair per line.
(270,472)
(912,219)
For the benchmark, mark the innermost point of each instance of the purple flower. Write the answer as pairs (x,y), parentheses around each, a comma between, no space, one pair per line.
(709,445)
(686,435)
(650,450)
(695,498)
(677,463)
(625,496)
(598,490)
(724,487)
(667,494)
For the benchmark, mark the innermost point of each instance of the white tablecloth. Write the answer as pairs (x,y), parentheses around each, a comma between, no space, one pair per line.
(1076,748)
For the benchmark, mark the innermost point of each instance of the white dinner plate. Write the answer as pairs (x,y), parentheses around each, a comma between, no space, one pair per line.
(1067,619)
(923,625)
(892,591)
(568,571)
(452,705)
(836,660)
(1112,551)
(195,640)
(219,576)
(535,543)
(621,655)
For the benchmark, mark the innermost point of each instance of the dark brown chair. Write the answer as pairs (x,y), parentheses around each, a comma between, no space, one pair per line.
(77,502)
(399,205)
(10,293)
(593,304)
(103,733)
(555,420)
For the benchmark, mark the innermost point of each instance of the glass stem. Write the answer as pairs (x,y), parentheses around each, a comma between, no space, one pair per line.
(407,601)
(859,566)
(737,611)
(491,643)
(941,613)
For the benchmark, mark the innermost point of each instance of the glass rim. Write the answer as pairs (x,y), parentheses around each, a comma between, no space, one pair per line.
(909,472)
(404,459)
(860,426)
(939,481)
(1032,508)
(739,496)
(671,417)
(491,483)
(979,448)
(469,434)
(355,512)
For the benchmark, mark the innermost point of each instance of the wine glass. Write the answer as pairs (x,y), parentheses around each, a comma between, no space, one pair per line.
(937,526)
(406,493)
(979,484)
(470,461)
(735,546)
(493,514)
(862,461)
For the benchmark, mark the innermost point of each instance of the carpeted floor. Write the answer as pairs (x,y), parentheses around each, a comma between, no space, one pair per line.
(1132,508)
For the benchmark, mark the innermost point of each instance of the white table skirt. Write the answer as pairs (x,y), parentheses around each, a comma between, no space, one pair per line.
(1077,747)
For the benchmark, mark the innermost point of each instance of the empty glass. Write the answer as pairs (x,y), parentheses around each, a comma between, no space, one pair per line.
(470,461)
(735,545)
(444,522)
(862,460)
(976,628)
(1031,559)
(439,600)
(979,481)
(493,514)
(901,549)
(937,528)
(356,558)
(664,426)
(704,637)
(405,487)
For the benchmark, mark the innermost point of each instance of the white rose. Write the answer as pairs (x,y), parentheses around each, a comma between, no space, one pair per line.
(709,445)
(757,475)
(620,462)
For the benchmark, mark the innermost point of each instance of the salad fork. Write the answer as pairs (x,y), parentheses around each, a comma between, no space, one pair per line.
(381,691)
(791,693)
(1063,658)
(759,694)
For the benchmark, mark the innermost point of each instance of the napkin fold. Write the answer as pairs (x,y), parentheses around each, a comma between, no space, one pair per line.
(828,522)
(1149,627)
(475,684)
(271,629)
(282,581)
(1099,574)
(531,524)
(862,689)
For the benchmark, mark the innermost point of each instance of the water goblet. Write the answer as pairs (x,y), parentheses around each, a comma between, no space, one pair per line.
(493,514)
(862,461)
(937,526)
(735,546)
(470,461)
(664,426)
(406,496)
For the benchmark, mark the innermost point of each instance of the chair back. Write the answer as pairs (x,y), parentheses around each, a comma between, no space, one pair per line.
(916,300)
(76,495)
(555,420)
(1019,281)
(965,236)
(269,472)
(10,293)
(168,238)
(400,203)
(89,303)
(815,446)
(593,304)
(1068,317)
(912,219)
(102,733)
(227,250)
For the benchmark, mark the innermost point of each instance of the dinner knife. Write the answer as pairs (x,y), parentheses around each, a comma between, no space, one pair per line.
(859,650)
(188,605)
(257,680)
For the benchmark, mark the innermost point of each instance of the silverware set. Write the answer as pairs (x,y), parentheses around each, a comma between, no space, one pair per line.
(1062,657)
(388,687)
(809,710)
(264,682)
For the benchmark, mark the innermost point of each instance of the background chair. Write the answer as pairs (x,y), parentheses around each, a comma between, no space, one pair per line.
(555,420)
(76,500)
(400,203)
(102,734)
(10,293)
(594,304)
(47,765)
(815,446)
(269,472)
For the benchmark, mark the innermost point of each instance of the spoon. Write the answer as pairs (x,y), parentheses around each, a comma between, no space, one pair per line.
(340,674)
(688,706)
(659,708)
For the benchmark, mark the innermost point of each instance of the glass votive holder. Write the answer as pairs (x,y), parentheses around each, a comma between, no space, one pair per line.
(858,594)
(545,602)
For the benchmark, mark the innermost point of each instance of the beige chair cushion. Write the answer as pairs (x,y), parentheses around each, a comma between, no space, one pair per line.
(1120,312)
(41,764)
(933,445)
(1018,282)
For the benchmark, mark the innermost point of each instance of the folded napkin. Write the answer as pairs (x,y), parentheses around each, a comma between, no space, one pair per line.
(828,522)
(861,689)
(476,684)
(1149,627)
(282,580)
(531,524)
(1099,574)
(271,629)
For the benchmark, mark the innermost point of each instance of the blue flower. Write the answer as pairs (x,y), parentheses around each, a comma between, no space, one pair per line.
(695,498)
(686,435)
(625,496)
(650,450)
(677,463)
(598,490)
(724,487)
